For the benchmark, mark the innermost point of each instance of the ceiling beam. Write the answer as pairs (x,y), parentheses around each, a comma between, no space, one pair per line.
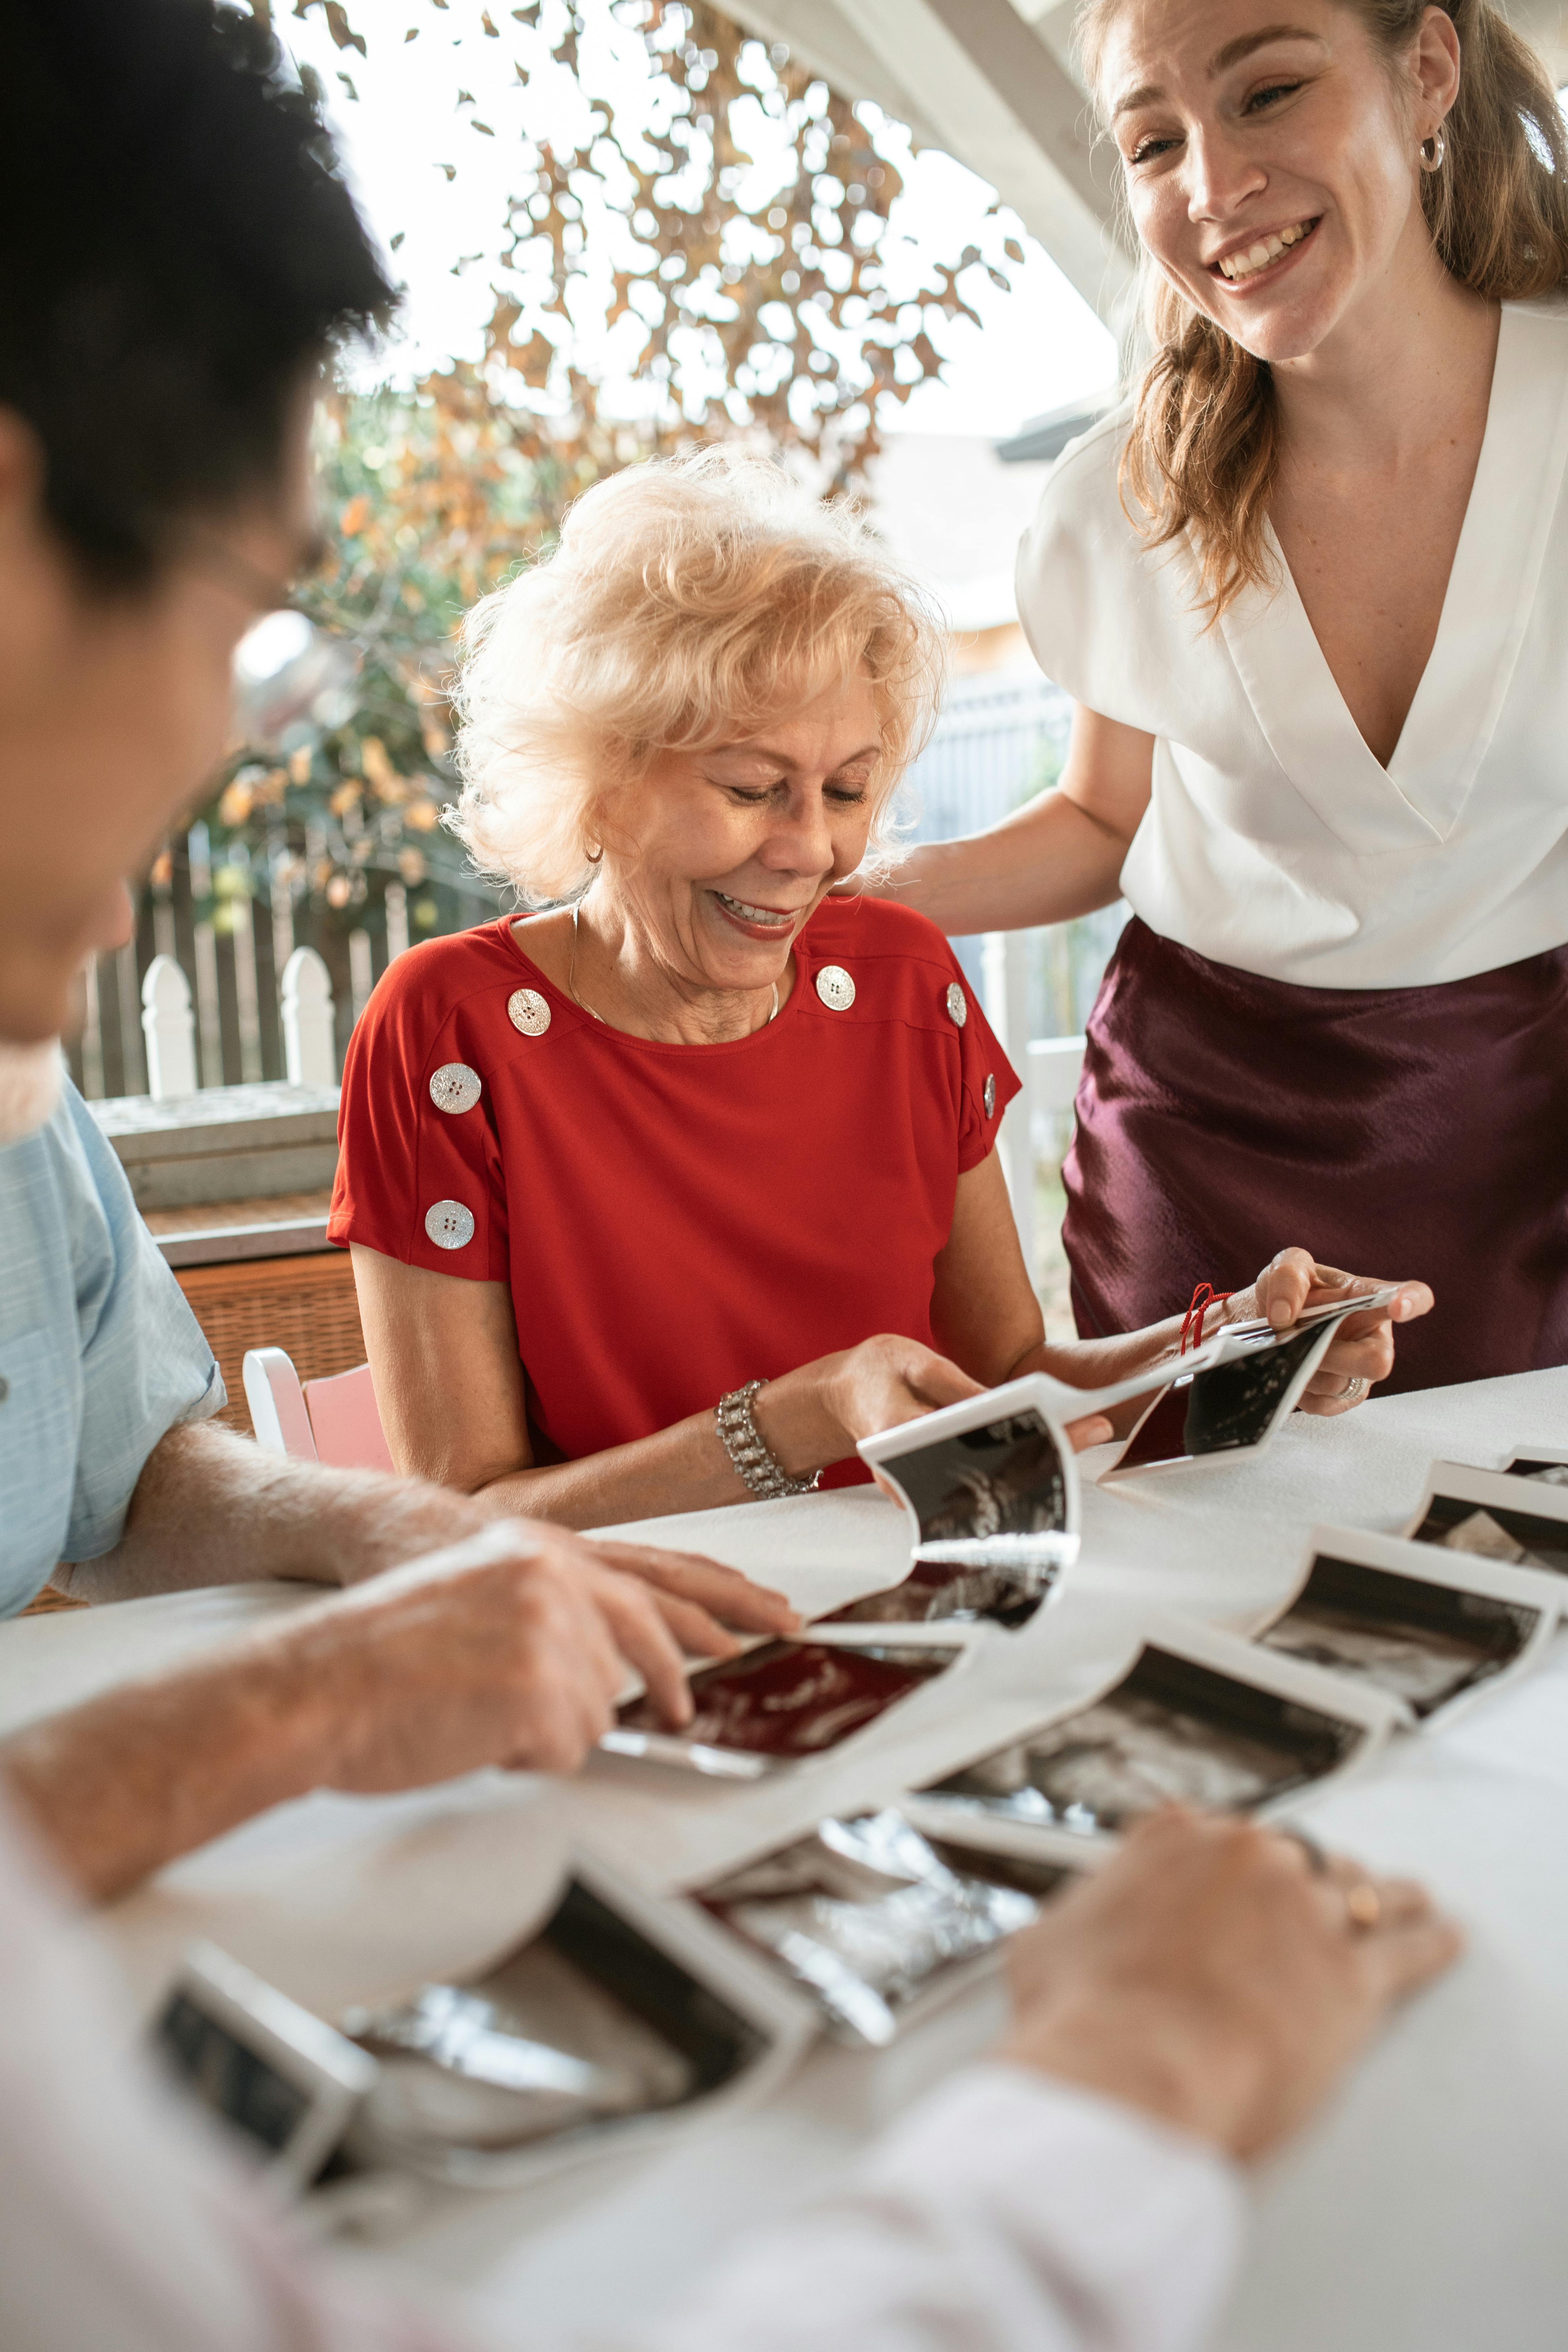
(972,76)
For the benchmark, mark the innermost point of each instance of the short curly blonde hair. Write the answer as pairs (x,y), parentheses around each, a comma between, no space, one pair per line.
(690,602)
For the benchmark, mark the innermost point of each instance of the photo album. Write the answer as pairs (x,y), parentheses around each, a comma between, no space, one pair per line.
(1516,1515)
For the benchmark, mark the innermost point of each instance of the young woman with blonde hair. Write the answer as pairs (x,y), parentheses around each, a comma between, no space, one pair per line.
(1310,593)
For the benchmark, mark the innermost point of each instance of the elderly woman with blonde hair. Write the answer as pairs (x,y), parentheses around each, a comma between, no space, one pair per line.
(671,1191)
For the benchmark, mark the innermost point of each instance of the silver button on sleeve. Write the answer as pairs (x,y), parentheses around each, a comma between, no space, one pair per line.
(455,1088)
(990,1096)
(957,1004)
(449,1225)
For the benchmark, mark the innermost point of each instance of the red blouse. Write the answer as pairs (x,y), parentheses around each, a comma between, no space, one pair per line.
(673,1220)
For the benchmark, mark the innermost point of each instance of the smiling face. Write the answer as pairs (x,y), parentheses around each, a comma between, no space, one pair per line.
(1271,161)
(718,858)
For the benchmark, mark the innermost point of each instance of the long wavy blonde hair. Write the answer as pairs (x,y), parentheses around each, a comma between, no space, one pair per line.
(690,602)
(1203,447)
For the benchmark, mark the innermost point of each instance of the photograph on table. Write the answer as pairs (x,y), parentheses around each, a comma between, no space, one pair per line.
(1237,1401)
(617,2011)
(1543,1465)
(780,1704)
(876,1923)
(1520,1521)
(1197,1716)
(1429,1628)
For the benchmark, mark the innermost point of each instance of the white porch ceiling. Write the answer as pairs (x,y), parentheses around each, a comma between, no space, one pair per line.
(989,81)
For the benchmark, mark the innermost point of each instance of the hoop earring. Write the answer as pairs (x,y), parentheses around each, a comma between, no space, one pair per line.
(594,854)
(1432,163)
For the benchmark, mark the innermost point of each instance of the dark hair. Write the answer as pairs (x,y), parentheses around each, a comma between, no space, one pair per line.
(177,253)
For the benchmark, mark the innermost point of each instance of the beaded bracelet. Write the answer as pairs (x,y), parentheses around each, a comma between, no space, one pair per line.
(753,1459)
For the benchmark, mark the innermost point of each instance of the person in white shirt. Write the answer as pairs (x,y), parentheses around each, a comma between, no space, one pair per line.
(1309,593)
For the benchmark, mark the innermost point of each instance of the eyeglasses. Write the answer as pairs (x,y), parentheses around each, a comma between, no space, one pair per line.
(294,675)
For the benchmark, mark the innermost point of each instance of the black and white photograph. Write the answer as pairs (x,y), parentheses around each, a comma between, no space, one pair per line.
(1171,1729)
(1426,1643)
(585,2022)
(1495,1530)
(1230,1407)
(995,1591)
(1005,1478)
(791,1699)
(866,1916)
(1543,1469)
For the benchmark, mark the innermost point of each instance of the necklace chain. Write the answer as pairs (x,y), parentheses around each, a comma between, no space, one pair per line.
(572,981)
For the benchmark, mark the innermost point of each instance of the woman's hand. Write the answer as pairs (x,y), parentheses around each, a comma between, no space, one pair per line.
(1219,1977)
(819,1413)
(1362,1352)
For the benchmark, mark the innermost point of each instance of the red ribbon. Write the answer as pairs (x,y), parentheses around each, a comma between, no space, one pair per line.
(1205,1297)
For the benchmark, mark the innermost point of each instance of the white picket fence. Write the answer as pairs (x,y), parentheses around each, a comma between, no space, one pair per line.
(1037,1125)
(169,1026)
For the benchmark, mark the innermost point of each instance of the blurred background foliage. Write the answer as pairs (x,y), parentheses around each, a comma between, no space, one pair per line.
(738,304)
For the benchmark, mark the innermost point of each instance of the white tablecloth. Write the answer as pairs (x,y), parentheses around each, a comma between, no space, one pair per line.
(1425,2210)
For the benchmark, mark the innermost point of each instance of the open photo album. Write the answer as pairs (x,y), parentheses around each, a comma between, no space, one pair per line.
(1431,1628)
(1198,1717)
(1521,1521)
(874,1921)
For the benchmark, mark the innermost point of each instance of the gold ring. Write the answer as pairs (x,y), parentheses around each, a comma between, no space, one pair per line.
(1363,1908)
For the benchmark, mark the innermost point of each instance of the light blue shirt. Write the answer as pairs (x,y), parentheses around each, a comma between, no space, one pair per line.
(99,1354)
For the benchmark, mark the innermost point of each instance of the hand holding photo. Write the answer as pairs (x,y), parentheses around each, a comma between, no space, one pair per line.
(1253,1380)
(1428,1629)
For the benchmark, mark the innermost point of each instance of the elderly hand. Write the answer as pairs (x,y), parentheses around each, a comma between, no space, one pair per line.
(698,1597)
(820,1412)
(1362,1352)
(1216,1976)
(511,1648)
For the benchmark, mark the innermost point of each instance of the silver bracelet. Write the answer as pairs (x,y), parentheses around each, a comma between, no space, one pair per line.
(753,1458)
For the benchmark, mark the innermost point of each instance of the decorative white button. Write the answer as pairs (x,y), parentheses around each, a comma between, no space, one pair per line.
(957,1004)
(449,1224)
(528,1010)
(455,1088)
(990,1097)
(835,988)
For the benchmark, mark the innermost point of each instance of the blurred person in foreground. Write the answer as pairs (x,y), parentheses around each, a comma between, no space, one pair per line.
(180,258)
(1175,2016)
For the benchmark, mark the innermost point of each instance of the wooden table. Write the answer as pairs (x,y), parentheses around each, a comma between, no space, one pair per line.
(1425,2213)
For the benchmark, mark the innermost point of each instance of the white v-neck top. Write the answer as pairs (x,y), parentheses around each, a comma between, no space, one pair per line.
(1274,839)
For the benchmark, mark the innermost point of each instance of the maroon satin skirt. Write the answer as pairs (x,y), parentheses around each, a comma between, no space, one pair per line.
(1415,1132)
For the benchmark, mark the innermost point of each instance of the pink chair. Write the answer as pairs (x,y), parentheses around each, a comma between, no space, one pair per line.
(333,1421)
